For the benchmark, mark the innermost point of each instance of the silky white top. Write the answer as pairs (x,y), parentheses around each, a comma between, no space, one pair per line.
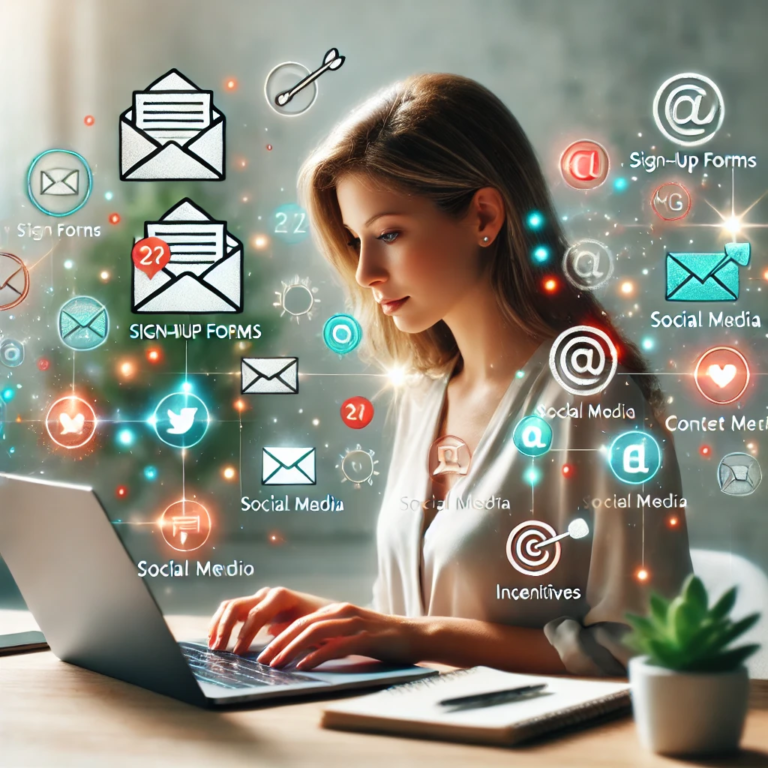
(460,567)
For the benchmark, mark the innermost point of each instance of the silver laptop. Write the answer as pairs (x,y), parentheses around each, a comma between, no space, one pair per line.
(95,611)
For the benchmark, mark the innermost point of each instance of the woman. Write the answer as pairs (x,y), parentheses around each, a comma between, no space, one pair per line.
(430,203)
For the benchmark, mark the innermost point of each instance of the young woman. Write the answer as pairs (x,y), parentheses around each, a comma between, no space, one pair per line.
(422,201)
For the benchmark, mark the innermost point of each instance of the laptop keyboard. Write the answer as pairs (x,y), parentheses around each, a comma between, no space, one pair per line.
(232,671)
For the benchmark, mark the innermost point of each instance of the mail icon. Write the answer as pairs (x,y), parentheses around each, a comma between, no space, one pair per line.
(172,133)
(59,181)
(269,375)
(83,323)
(14,281)
(288,466)
(706,276)
(205,272)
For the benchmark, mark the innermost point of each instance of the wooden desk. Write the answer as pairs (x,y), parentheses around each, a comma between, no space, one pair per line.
(54,714)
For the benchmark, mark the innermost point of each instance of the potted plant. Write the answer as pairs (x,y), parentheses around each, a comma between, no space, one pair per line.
(690,688)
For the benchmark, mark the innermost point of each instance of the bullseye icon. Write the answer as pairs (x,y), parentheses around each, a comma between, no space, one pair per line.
(529,549)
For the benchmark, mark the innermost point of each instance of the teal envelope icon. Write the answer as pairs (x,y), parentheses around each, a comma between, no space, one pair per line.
(706,276)
(83,323)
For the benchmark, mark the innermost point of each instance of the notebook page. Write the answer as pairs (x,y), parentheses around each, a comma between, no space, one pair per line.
(195,246)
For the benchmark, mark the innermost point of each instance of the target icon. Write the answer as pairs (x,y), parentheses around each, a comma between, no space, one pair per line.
(523,550)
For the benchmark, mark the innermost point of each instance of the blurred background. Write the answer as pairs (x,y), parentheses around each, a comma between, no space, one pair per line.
(566,70)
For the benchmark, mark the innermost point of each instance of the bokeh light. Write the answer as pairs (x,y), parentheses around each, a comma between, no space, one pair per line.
(535,220)
(114,218)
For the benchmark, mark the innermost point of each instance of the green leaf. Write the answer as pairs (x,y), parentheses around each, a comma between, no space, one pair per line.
(724,605)
(738,628)
(642,625)
(726,662)
(659,609)
(696,595)
(683,621)
(663,655)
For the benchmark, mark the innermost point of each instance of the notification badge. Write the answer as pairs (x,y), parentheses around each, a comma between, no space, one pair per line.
(585,164)
(150,255)
(671,201)
(357,412)
(722,375)
(185,525)
(71,422)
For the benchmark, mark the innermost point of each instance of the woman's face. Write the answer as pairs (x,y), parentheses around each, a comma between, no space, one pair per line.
(419,263)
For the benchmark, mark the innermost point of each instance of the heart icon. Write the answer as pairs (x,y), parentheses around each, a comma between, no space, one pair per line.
(722,376)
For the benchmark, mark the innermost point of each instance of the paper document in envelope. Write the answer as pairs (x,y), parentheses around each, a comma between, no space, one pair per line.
(172,132)
(269,375)
(288,466)
(205,272)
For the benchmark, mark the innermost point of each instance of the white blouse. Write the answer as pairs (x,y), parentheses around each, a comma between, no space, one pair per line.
(461,567)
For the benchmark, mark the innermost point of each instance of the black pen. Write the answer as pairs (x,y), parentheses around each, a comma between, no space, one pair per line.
(491,699)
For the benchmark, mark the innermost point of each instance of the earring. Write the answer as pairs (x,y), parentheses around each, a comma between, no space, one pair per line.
(486,239)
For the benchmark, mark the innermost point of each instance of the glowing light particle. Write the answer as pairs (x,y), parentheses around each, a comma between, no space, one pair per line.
(114,218)
(239,405)
(121,491)
(520,374)
(231,84)
(108,195)
(229,473)
(153,355)
(567,470)
(127,369)
(620,184)
(647,343)
(642,574)
(627,288)
(396,376)
(269,147)
(550,285)
(672,522)
(43,364)
(705,451)
(732,225)
(260,242)
(535,220)
(89,120)
(150,473)
(8,394)
(186,387)
(541,254)
(68,264)
(125,437)
(532,476)
(104,276)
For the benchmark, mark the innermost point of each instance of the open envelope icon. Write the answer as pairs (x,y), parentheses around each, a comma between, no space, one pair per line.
(172,133)
(269,375)
(14,281)
(288,466)
(706,276)
(59,181)
(205,271)
(83,323)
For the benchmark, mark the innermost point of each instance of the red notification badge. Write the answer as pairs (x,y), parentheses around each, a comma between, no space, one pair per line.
(150,255)
(357,412)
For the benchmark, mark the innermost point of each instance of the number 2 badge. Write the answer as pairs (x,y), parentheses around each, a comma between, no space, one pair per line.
(357,412)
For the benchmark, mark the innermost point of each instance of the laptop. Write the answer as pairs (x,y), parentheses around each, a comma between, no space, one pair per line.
(83,588)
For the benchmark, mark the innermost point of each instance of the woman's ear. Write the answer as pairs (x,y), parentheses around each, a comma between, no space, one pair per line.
(488,214)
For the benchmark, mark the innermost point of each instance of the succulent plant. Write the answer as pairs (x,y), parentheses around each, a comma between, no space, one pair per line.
(686,635)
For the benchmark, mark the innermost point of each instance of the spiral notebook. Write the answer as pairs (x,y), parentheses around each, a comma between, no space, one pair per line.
(414,709)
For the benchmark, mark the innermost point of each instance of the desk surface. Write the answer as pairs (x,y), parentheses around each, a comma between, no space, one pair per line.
(57,714)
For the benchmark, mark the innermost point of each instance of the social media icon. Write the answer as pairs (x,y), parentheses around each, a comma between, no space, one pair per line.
(634,457)
(14,281)
(342,334)
(185,525)
(448,455)
(83,323)
(688,109)
(584,164)
(181,420)
(671,201)
(357,412)
(583,360)
(532,436)
(739,474)
(588,264)
(706,276)
(71,422)
(297,298)
(289,466)
(358,466)
(722,375)
(59,182)
(11,353)
(269,375)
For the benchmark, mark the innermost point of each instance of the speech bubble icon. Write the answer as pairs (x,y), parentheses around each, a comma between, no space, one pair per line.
(150,255)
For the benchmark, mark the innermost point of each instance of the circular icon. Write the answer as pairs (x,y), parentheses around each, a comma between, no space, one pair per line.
(671,201)
(14,281)
(588,264)
(634,457)
(181,420)
(342,333)
(284,78)
(688,109)
(722,375)
(585,164)
(150,255)
(579,359)
(297,298)
(71,422)
(358,466)
(83,323)
(11,353)
(532,436)
(357,412)
(739,474)
(185,525)
(59,182)
(448,455)
(290,223)
(523,552)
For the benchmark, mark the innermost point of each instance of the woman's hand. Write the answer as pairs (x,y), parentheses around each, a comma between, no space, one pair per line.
(341,629)
(274,607)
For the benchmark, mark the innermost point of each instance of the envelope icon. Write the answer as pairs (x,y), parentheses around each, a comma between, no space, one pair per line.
(59,181)
(83,323)
(288,466)
(269,375)
(205,271)
(172,133)
(706,276)
(14,281)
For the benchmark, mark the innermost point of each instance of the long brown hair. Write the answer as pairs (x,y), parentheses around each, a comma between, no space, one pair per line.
(443,137)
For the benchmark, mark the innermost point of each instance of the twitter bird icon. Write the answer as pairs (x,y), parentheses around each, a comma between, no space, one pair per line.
(181,420)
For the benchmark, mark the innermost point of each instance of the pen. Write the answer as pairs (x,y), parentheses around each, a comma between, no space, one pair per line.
(491,699)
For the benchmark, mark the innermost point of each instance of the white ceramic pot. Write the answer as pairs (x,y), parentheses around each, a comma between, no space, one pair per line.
(679,713)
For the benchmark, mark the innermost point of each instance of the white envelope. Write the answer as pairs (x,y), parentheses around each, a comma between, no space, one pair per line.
(205,273)
(288,466)
(59,181)
(269,375)
(172,133)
